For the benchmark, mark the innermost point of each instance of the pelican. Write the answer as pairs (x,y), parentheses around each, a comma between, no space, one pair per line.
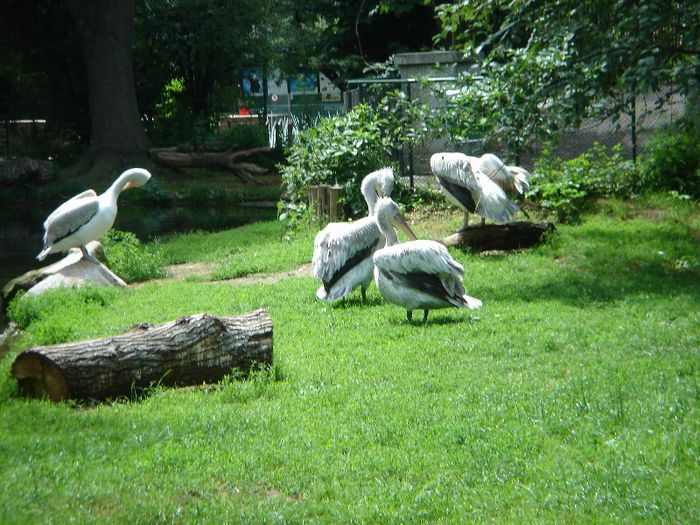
(342,257)
(470,189)
(87,216)
(417,274)
(379,183)
(512,179)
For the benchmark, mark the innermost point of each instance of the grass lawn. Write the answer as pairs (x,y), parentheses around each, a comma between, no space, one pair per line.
(571,396)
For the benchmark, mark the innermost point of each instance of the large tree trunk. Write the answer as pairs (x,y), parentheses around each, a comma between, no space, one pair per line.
(189,351)
(106,29)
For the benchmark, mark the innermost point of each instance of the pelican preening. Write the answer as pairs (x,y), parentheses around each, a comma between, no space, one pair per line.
(419,274)
(479,184)
(87,216)
(513,179)
(342,257)
(377,184)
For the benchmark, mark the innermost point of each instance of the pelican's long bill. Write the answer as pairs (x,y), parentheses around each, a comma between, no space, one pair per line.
(399,222)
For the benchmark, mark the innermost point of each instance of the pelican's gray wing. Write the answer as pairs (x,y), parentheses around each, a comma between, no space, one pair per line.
(426,266)
(455,168)
(339,243)
(70,216)
(68,204)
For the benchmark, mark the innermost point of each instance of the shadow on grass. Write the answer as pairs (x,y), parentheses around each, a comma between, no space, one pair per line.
(355,301)
(604,265)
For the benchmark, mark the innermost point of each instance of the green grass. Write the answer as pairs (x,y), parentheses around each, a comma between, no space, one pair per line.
(261,247)
(572,396)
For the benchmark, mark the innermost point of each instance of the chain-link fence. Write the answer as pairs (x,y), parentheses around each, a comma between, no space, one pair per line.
(630,131)
(413,160)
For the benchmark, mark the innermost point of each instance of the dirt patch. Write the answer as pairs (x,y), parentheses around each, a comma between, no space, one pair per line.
(267,278)
(179,272)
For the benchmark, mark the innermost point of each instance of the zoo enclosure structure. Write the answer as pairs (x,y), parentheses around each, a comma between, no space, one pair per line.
(420,71)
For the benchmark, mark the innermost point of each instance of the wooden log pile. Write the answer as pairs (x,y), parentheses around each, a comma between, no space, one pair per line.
(192,350)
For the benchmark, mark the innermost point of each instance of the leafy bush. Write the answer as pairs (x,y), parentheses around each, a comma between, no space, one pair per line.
(564,188)
(671,159)
(341,149)
(130,259)
(244,137)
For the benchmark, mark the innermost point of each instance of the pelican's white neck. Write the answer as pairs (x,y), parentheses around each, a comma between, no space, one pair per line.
(370,195)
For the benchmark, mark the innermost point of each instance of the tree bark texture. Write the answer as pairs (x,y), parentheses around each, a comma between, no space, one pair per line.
(511,236)
(191,350)
(106,28)
(230,160)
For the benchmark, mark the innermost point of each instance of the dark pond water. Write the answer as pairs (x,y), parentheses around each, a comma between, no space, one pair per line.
(21,230)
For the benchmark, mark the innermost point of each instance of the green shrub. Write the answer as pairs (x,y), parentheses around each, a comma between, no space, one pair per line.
(244,137)
(671,159)
(341,150)
(564,188)
(130,259)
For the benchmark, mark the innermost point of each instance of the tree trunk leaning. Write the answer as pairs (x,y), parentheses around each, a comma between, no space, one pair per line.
(191,350)
(512,236)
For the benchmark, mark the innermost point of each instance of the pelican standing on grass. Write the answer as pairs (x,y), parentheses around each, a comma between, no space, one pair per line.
(470,189)
(87,216)
(419,274)
(342,257)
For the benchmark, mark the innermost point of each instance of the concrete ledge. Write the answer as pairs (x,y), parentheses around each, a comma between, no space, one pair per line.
(429,57)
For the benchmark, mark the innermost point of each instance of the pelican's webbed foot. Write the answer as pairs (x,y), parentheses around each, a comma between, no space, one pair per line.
(89,257)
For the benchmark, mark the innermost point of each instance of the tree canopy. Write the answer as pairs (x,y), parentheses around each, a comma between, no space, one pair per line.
(554,62)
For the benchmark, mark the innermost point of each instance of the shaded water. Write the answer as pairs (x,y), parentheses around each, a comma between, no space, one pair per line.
(21,230)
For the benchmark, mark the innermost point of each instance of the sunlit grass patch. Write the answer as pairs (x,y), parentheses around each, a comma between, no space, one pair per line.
(572,395)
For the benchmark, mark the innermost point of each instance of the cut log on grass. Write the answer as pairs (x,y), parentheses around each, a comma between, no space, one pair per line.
(230,160)
(192,350)
(500,236)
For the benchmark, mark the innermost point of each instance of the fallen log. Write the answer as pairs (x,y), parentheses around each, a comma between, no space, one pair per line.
(511,236)
(230,160)
(189,351)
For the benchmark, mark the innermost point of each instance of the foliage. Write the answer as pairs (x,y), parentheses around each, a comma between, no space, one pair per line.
(671,159)
(504,105)
(340,150)
(572,396)
(205,44)
(565,188)
(554,62)
(131,260)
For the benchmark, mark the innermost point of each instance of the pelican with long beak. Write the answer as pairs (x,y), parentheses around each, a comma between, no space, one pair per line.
(418,274)
(470,189)
(87,216)
(342,257)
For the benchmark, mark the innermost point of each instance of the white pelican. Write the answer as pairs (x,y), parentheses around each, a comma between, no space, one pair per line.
(513,179)
(343,251)
(379,183)
(419,274)
(87,216)
(471,190)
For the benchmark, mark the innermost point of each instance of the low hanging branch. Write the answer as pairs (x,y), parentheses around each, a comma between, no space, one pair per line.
(190,351)
(230,160)
(510,236)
